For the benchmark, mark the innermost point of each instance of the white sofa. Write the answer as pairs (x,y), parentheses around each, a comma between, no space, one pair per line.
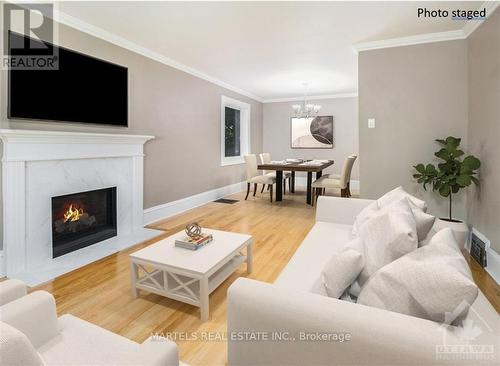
(377,337)
(31,334)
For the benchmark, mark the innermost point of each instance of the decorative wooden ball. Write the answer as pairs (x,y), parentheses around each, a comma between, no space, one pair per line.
(193,230)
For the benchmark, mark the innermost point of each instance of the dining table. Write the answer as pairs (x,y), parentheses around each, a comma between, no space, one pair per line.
(308,166)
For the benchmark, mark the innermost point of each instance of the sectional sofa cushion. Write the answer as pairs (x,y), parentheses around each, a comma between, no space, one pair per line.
(433,282)
(397,194)
(340,271)
(387,236)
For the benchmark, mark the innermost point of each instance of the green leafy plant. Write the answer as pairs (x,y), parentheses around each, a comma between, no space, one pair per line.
(452,174)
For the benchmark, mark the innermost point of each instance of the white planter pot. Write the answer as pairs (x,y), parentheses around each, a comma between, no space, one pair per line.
(459,228)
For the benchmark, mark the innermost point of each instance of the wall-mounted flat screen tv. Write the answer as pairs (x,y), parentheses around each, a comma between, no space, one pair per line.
(82,89)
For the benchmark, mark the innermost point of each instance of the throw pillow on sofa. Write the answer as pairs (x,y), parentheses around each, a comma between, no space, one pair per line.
(428,239)
(354,289)
(428,283)
(340,271)
(418,207)
(387,236)
(397,194)
(423,220)
(365,214)
(357,245)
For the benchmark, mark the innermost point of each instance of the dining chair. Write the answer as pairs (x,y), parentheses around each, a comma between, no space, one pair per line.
(253,176)
(343,182)
(335,175)
(265,158)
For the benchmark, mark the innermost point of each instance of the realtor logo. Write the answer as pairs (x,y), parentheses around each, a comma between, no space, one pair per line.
(466,343)
(28,37)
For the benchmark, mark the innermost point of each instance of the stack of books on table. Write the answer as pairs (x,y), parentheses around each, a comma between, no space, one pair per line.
(194,243)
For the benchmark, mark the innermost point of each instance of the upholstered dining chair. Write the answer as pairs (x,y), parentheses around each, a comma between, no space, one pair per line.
(255,177)
(343,182)
(265,158)
(335,175)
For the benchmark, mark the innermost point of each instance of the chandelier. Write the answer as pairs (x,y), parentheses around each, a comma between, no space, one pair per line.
(306,109)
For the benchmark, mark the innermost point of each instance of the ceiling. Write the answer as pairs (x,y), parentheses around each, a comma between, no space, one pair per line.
(268,49)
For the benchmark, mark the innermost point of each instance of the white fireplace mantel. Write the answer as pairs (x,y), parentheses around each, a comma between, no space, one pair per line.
(34,145)
(38,165)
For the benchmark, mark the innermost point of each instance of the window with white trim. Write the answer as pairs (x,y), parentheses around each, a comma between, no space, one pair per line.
(235,131)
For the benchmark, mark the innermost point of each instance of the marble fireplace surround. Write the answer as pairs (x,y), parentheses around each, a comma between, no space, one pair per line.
(38,165)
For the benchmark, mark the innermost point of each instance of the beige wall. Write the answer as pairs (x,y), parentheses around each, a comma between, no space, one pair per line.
(182,111)
(484,126)
(345,132)
(416,94)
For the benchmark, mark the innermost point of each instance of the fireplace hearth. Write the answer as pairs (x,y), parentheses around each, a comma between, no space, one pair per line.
(82,219)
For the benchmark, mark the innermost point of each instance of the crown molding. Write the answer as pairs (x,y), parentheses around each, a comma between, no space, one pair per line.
(470,27)
(312,97)
(98,32)
(410,40)
(463,33)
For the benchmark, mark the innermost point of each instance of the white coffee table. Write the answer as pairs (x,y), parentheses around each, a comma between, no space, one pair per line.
(189,276)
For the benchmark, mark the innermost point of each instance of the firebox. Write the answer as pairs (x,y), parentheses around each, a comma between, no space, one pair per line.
(82,219)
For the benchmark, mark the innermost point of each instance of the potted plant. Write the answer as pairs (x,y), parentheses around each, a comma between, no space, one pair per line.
(452,174)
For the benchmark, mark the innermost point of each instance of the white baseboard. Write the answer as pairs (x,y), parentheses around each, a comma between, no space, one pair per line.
(169,209)
(493,265)
(302,182)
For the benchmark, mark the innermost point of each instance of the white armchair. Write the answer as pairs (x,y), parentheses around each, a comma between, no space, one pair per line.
(30,328)
(11,290)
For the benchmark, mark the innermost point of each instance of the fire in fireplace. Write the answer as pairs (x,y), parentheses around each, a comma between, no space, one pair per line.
(82,219)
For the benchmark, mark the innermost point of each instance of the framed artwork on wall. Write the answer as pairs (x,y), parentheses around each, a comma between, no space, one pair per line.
(311,132)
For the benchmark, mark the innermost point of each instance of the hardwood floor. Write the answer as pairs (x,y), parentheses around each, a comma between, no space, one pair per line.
(485,282)
(100,292)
